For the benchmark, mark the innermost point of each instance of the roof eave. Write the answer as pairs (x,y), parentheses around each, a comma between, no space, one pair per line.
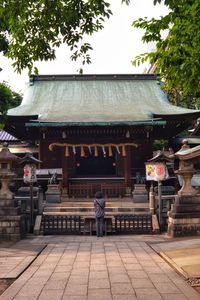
(190,115)
(114,123)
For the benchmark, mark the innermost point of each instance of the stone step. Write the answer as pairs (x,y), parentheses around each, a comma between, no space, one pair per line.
(87,208)
(113,209)
(91,209)
(91,214)
(115,199)
(90,204)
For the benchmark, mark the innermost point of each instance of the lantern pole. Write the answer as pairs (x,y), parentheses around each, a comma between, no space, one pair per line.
(30,177)
(31,206)
(158,173)
(160,203)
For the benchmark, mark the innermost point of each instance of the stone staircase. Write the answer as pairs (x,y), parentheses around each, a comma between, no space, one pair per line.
(75,217)
(85,208)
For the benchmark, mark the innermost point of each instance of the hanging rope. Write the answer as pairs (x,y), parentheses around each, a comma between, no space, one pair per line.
(90,146)
(123,150)
(67,151)
(74,149)
(82,152)
(95,151)
(90,150)
(117,148)
(104,151)
(110,151)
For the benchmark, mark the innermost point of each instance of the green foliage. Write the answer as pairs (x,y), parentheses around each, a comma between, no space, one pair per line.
(3,35)
(32,30)
(8,98)
(160,144)
(177,56)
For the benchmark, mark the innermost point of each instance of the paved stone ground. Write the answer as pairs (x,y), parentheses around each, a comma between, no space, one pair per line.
(90,268)
(184,255)
(16,257)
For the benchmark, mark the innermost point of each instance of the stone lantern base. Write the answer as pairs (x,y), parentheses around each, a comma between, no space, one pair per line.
(184,218)
(12,225)
(140,194)
(53,193)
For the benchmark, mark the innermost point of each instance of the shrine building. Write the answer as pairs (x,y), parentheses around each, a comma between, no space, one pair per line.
(96,131)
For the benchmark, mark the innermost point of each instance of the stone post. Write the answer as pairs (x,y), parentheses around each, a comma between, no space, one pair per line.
(151,200)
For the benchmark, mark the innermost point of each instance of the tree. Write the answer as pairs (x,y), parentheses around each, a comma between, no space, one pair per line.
(31,30)
(177,56)
(8,98)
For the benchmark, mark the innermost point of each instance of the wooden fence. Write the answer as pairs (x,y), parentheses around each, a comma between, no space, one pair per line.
(88,190)
(127,224)
(61,224)
(121,224)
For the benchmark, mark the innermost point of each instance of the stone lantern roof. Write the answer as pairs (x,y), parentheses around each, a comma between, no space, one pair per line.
(187,153)
(161,157)
(29,159)
(6,156)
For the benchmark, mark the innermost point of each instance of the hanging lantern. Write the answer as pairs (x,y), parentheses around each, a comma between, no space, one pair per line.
(128,134)
(27,173)
(64,135)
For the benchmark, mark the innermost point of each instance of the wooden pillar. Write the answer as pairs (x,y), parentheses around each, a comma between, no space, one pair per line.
(127,167)
(65,175)
(41,153)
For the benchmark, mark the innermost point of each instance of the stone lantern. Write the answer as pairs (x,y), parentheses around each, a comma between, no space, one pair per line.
(184,217)
(11,223)
(156,170)
(186,170)
(6,171)
(29,162)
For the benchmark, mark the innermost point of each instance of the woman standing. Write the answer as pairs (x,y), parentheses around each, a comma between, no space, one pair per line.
(99,205)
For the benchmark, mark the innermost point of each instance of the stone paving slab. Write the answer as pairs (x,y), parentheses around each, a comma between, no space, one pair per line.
(17,257)
(183,255)
(90,268)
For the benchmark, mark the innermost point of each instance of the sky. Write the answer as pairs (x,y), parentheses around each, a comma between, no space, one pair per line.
(114,47)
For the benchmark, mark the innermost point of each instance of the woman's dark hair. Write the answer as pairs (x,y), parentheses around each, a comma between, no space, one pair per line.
(99,195)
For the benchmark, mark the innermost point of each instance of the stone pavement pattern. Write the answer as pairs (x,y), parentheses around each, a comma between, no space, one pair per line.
(184,255)
(87,268)
(16,258)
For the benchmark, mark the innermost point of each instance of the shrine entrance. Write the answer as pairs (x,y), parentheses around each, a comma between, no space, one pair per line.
(95,166)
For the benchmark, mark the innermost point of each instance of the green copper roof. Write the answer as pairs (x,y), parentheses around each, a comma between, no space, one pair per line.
(100,99)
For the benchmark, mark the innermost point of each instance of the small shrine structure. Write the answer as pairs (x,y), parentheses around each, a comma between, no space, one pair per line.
(96,131)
